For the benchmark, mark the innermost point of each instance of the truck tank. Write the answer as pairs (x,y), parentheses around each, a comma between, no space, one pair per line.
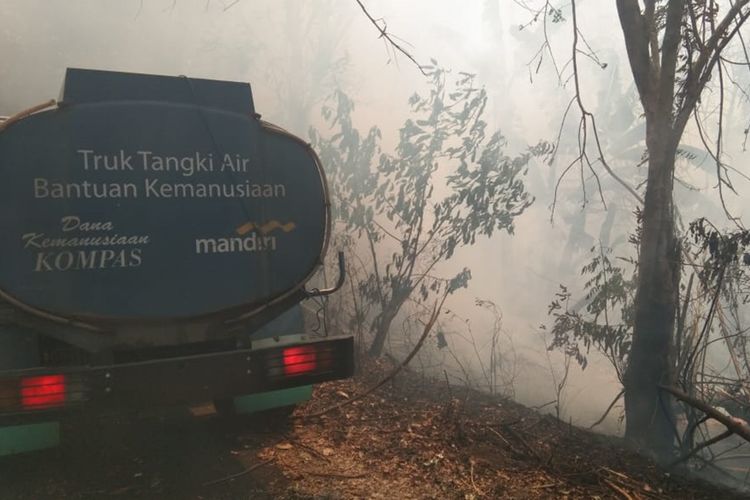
(152,223)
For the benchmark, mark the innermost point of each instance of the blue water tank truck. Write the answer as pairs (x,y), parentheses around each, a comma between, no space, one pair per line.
(156,239)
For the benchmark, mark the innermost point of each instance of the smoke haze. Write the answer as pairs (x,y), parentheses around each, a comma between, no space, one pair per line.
(296,53)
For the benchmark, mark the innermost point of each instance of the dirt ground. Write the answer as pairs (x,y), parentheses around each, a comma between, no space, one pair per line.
(417,438)
(174,457)
(413,438)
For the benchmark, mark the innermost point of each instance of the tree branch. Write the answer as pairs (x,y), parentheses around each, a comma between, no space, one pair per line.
(701,70)
(739,427)
(669,51)
(636,43)
(586,115)
(384,34)
(704,444)
(427,329)
(653,32)
(609,408)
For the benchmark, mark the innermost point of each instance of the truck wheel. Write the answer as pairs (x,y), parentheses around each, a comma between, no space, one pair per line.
(274,418)
(225,407)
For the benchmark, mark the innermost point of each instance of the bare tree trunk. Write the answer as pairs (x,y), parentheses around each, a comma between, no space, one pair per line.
(383,326)
(648,412)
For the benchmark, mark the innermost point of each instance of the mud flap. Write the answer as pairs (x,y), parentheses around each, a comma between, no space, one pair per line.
(28,437)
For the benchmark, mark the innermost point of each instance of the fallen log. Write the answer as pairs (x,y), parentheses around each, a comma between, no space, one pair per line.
(735,425)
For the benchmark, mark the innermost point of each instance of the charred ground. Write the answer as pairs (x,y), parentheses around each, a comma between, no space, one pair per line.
(414,438)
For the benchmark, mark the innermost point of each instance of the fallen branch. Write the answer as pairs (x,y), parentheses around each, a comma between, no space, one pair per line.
(333,474)
(425,333)
(239,474)
(309,449)
(539,407)
(618,489)
(517,435)
(622,476)
(544,486)
(736,426)
(743,456)
(515,451)
(473,484)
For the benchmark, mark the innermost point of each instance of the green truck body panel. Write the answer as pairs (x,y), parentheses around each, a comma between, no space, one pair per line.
(23,438)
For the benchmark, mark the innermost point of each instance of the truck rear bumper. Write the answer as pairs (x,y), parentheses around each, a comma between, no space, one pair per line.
(175,381)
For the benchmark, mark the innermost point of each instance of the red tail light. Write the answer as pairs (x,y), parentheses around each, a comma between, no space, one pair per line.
(299,360)
(43,391)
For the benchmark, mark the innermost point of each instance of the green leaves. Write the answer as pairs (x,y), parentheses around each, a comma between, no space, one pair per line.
(723,250)
(604,320)
(446,183)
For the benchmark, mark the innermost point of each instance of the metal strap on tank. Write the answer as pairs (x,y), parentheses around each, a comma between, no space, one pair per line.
(8,121)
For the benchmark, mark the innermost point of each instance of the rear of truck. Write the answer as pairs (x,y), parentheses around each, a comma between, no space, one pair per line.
(156,240)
